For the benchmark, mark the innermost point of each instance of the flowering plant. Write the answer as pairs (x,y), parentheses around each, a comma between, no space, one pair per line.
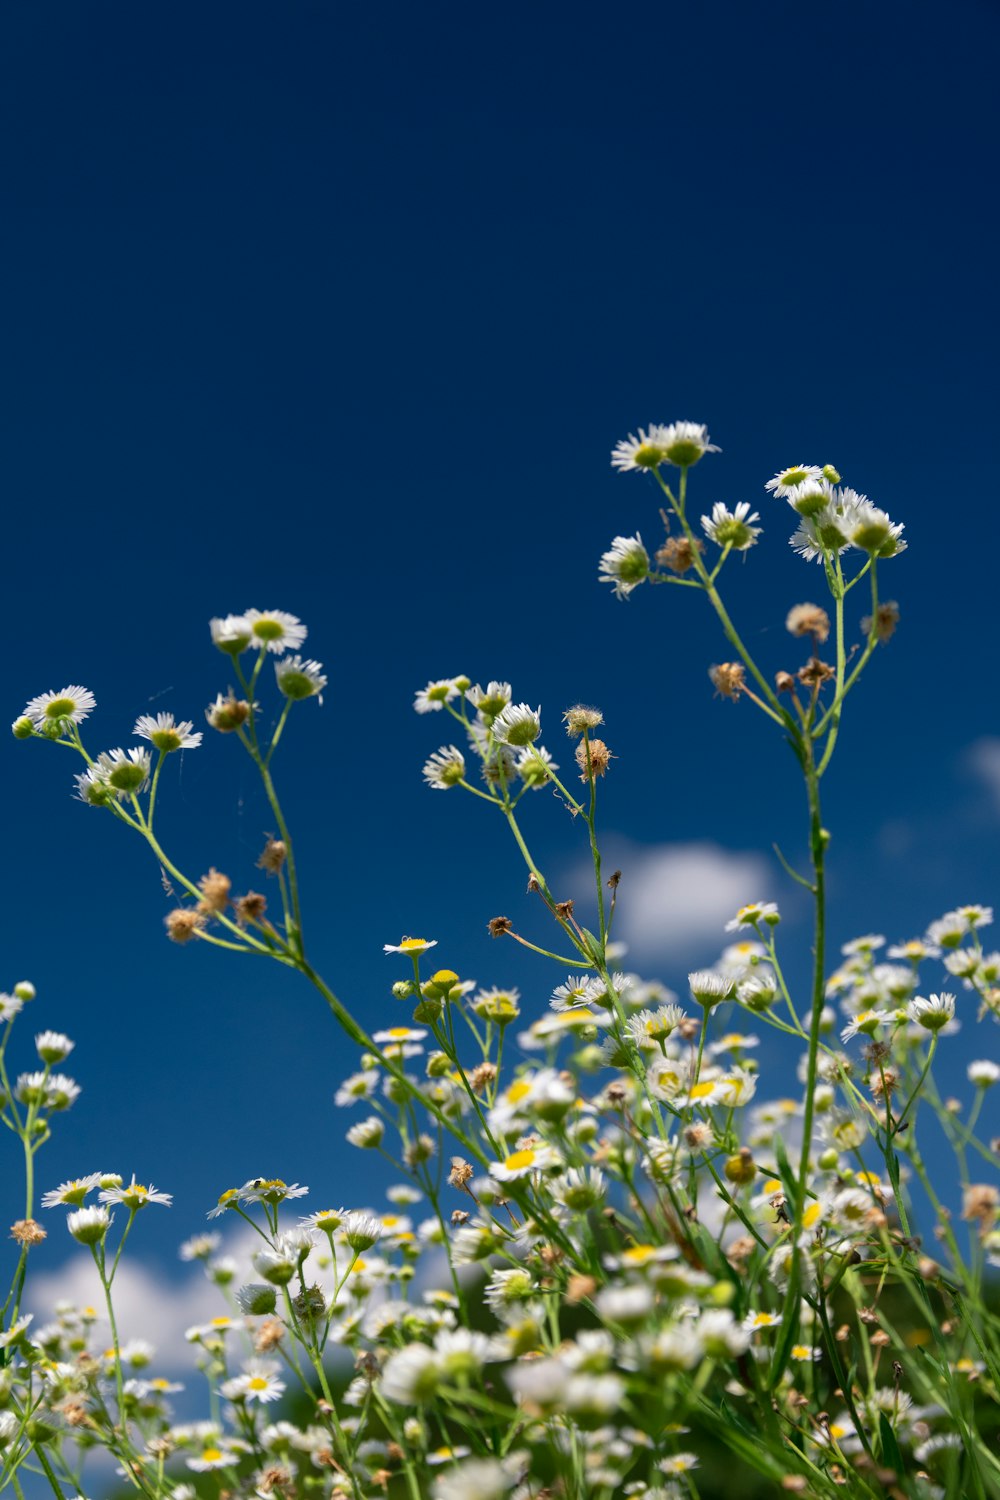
(608,1259)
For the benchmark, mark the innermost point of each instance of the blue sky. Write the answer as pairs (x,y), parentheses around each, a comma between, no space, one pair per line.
(341,311)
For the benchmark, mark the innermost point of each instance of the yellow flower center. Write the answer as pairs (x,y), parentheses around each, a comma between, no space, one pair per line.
(519,1159)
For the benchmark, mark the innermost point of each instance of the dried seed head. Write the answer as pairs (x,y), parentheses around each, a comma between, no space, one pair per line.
(784,682)
(815,673)
(250,908)
(599,756)
(740,1251)
(808,619)
(886,620)
(226,714)
(497,926)
(273,856)
(269,1335)
(480,1078)
(728,679)
(580,718)
(183,924)
(215,890)
(564,910)
(677,554)
(883,1085)
(461,1172)
(698,1136)
(980,1202)
(27,1232)
(459,1216)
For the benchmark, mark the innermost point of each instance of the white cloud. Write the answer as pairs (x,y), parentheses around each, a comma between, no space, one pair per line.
(147,1304)
(983,760)
(675,899)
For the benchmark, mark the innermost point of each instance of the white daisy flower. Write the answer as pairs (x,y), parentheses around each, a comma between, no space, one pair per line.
(787,482)
(521,1163)
(574,992)
(270,1190)
(212,1457)
(166,734)
(625,565)
(732,528)
(53,1046)
(869,528)
(275,630)
(411,1376)
(915,950)
(13,1333)
(89,1225)
(123,772)
(491,699)
(410,945)
(71,1193)
(55,710)
(260,1382)
(533,766)
(753,914)
(983,1073)
(200,1247)
(867,1021)
(232,634)
(299,679)
(517,725)
(361,1231)
(435,695)
(934,1013)
(647,451)
(709,988)
(445,768)
(135,1195)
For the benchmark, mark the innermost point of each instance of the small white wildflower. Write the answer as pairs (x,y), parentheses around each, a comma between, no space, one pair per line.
(89,1225)
(232,633)
(165,733)
(445,768)
(54,711)
(435,695)
(934,1013)
(298,679)
(625,565)
(732,528)
(517,725)
(275,630)
(983,1073)
(53,1046)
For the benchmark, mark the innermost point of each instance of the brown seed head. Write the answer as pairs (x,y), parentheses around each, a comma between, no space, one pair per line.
(250,908)
(600,758)
(74,1412)
(227,714)
(27,1232)
(273,856)
(815,673)
(886,620)
(784,682)
(740,1251)
(497,926)
(459,1216)
(269,1335)
(480,1078)
(564,910)
(215,890)
(698,1136)
(980,1202)
(728,679)
(808,619)
(461,1172)
(183,923)
(580,718)
(677,554)
(884,1084)
(579,1287)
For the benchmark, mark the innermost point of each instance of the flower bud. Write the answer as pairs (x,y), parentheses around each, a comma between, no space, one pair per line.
(22,729)
(741,1168)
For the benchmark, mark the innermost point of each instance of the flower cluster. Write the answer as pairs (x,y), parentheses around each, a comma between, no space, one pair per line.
(618,1256)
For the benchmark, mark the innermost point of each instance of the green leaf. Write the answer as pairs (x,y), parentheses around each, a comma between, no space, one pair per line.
(890,1448)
